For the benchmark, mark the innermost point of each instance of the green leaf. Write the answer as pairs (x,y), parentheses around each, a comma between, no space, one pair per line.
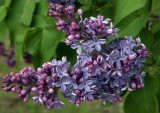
(2,2)
(3,12)
(143,100)
(132,24)
(155,27)
(126,7)
(155,7)
(41,43)
(64,50)
(7,3)
(85,2)
(154,50)
(158,94)
(148,93)
(20,11)
(156,46)
(108,11)
(4,32)
(131,106)
(41,18)
(50,40)
(146,37)
(27,14)
(32,44)
(19,41)
(33,40)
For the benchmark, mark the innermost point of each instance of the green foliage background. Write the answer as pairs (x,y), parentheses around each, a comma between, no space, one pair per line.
(26,25)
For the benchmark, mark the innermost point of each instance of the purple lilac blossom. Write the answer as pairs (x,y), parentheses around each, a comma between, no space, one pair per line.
(103,71)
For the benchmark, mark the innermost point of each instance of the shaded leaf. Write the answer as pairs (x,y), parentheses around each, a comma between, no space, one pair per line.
(146,37)
(155,27)
(19,41)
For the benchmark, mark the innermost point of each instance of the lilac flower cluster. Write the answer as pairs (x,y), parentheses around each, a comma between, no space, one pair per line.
(103,70)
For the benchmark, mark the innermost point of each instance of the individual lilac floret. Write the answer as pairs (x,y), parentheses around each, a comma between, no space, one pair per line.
(96,43)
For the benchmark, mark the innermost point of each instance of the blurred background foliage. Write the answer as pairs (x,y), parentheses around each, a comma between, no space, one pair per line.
(25,24)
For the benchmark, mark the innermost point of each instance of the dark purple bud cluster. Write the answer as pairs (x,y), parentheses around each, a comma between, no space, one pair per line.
(21,82)
(103,70)
(83,29)
(45,82)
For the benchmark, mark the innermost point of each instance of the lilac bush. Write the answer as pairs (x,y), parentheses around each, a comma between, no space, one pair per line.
(103,71)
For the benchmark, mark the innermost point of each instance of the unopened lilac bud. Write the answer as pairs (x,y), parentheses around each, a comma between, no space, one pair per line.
(77,71)
(20,96)
(74,76)
(89,75)
(99,31)
(110,31)
(145,52)
(49,107)
(78,102)
(13,89)
(61,22)
(95,62)
(77,92)
(5,89)
(51,91)
(120,99)
(41,92)
(18,91)
(142,85)
(138,79)
(70,37)
(26,99)
(23,92)
(125,61)
(44,98)
(82,98)
(144,56)
(115,99)
(138,86)
(139,51)
(80,12)
(126,69)
(82,94)
(133,85)
(34,89)
(54,75)
(99,23)
(77,36)
(144,48)
(73,24)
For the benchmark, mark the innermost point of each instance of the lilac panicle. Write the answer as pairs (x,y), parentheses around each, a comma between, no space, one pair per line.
(103,70)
